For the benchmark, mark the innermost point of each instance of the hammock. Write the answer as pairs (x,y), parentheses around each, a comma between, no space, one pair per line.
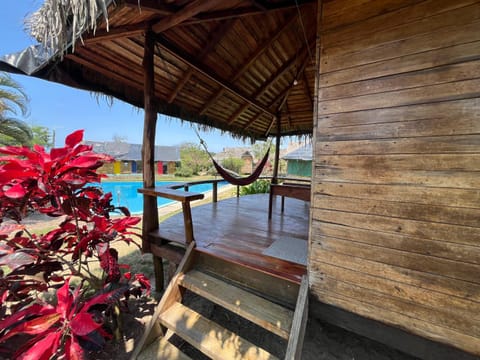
(226,175)
(242,181)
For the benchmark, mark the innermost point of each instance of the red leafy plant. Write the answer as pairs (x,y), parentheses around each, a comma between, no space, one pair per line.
(42,315)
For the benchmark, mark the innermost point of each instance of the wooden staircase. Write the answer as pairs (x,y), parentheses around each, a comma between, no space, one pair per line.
(275,304)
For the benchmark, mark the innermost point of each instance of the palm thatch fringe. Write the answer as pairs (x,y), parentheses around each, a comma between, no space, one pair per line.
(59,23)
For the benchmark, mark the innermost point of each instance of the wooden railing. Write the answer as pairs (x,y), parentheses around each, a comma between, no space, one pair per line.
(186,186)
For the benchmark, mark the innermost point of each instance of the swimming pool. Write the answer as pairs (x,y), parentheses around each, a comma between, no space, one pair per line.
(124,193)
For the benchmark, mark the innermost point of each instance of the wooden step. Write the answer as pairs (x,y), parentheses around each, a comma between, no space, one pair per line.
(209,337)
(162,349)
(258,310)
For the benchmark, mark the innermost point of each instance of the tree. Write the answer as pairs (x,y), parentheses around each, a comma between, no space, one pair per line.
(41,136)
(233,164)
(13,100)
(260,148)
(194,158)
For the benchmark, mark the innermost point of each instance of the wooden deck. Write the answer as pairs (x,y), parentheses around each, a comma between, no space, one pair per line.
(238,230)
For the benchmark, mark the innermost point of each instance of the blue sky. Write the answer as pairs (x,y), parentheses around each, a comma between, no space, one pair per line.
(65,109)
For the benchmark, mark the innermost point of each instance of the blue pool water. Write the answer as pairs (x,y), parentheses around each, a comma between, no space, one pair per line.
(124,193)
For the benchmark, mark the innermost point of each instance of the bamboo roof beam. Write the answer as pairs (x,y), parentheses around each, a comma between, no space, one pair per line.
(265,45)
(200,68)
(216,35)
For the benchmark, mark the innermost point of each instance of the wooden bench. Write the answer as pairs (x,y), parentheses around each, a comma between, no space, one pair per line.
(297,191)
(162,249)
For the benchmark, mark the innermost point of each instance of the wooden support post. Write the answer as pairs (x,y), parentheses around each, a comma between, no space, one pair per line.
(150,210)
(215,192)
(187,218)
(277,152)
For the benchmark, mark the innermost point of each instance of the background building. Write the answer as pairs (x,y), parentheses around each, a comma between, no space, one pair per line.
(128,157)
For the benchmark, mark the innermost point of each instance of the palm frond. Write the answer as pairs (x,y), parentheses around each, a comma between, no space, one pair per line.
(14,131)
(12,96)
(59,23)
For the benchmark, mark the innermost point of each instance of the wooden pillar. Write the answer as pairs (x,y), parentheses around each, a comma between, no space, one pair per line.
(277,152)
(150,211)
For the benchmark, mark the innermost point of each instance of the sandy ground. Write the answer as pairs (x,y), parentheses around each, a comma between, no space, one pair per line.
(322,341)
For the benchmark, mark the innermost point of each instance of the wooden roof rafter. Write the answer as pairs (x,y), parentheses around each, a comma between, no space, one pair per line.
(232,74)
(253,57)
(215,37)
(248,11)
(153,6)
(307,91)
(116,33)
(187,12)
(273,79)
(164,44)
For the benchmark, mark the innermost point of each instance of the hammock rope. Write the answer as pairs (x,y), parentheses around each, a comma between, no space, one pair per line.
(226,175)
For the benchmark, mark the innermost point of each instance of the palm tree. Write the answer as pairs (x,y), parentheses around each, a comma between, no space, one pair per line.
(13,100)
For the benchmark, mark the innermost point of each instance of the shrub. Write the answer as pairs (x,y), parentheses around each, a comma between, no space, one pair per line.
(58,183)
(257,187)
(184,172)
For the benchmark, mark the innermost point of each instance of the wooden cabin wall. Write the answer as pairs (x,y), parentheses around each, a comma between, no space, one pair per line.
(395,231)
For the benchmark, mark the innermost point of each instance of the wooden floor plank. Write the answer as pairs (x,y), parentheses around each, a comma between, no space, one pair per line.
(161,349)
(209,337)
(238,229)
(264,313)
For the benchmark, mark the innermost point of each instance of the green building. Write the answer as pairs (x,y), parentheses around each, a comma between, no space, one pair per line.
(299,161)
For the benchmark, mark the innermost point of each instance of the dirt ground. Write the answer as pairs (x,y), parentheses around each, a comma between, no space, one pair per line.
(322,341)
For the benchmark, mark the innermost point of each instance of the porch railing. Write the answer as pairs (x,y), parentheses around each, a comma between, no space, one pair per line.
(186,186)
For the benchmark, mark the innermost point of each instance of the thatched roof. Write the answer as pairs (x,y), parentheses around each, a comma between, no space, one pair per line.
(234,65)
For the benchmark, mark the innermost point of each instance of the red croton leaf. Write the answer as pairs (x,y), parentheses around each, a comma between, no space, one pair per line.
(17,259)
(83,162)
(15,192)
(4,248)
(83,324)
(35,309)
(74,138)
(144,282)
(124,223)
(109,263)
(73,350)
(15,150)
(38,325)
(64,299)
(106,298)
(44,348)
(6,229)
(57,153)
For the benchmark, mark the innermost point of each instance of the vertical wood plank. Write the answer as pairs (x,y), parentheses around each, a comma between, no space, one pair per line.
(150,211)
